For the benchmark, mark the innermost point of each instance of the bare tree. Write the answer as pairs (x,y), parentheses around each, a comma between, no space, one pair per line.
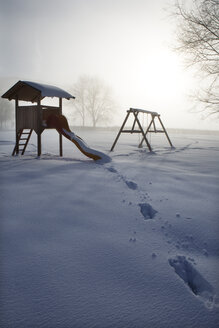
(6,107)
(93,99)
(80,93)
(6,113)
(198,38)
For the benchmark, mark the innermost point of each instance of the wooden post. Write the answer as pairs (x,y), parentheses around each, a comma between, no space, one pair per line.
(16,127)
(60,135)
(133,126)
(153,117)
(39,122)
(128,113)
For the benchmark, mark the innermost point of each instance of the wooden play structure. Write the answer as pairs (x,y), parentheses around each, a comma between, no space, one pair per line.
(31,118)
(151,127)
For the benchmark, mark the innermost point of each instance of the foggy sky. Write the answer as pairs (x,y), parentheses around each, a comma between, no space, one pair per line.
(127,43)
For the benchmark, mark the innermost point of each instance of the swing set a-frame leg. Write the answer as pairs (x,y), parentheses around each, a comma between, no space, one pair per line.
(152,122)
(165,132)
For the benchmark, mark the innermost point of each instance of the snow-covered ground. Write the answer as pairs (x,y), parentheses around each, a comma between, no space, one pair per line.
(130,243)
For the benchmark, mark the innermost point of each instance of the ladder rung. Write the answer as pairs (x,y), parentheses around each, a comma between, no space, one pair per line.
(20,147)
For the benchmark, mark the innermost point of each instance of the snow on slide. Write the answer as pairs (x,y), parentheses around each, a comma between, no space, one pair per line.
(60,123)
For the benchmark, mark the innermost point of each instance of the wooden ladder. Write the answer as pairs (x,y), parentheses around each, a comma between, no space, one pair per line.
(23,138)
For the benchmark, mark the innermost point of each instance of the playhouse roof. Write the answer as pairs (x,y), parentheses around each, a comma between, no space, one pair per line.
(32,91)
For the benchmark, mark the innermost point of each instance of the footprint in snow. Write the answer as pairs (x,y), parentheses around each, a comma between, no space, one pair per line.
(111,169)
(147,211)
(194,280)
(132,185)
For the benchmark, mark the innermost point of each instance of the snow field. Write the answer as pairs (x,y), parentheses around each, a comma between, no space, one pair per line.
(129,243)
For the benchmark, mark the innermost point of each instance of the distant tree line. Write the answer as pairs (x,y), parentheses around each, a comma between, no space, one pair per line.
(94,101)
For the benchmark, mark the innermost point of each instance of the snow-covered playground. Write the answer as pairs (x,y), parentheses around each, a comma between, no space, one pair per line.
(131,243)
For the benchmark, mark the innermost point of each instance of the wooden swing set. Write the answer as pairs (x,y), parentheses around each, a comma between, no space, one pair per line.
(151,128)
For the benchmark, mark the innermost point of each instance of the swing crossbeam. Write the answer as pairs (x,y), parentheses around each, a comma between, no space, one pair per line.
(131,131)
(150,129)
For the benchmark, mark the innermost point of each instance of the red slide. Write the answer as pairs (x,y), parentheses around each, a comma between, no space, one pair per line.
(60,123)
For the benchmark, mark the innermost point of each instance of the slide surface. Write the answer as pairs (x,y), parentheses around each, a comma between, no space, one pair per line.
(60,123)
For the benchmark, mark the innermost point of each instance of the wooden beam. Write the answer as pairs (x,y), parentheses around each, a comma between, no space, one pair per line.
(165,132)
(39,149)
(60,105)
(143,111)
(16,126)
(60,135)
(133,126)
(60,145)
(155,130)
(131,131)
(39,121)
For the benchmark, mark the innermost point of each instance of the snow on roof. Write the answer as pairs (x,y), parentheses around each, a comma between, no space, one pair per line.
(49,90)
(32,91)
